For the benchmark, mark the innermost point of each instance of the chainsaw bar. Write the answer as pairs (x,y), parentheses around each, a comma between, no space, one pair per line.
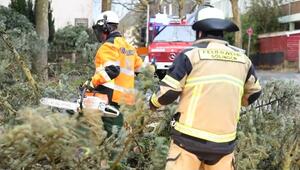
(59,104)
(107,110)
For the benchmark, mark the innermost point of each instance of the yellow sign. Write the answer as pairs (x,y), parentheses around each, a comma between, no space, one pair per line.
(217,54)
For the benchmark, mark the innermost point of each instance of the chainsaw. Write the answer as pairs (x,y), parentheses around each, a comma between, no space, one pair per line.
(87,101)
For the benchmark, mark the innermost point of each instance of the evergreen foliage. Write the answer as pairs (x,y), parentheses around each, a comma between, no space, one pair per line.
(76,40)
(70,38)
(14,86)
(27,8)
(19,6)
(262,17)
(269,130)
(268,133)
(36,137)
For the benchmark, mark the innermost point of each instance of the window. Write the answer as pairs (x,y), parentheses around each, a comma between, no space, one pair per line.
(176,33)
(82,21)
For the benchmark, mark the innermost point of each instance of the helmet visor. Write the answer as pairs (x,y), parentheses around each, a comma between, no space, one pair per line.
(98,30)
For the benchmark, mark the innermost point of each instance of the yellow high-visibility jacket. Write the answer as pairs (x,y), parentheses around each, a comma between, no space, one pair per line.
(116,62)
(213,80)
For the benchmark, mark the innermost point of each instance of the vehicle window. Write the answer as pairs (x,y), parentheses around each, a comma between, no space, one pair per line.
(175,33)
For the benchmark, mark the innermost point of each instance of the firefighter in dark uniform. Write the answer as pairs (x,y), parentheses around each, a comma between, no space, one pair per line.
(213,80)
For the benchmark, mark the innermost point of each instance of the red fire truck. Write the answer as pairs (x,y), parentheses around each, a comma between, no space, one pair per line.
(167,37)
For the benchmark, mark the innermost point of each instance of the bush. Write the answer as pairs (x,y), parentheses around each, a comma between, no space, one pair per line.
(21,33)
(13,85)
(70,38)
(72,41)
(43,140)
(269,131)
(40,139)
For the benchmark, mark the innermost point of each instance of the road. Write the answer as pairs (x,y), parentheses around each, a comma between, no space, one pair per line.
(272,75)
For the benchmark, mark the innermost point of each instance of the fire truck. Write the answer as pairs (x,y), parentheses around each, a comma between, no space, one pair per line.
(167,37)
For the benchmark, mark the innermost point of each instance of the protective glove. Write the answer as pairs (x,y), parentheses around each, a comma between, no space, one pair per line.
(152,65)
(89,85)
(152,68)
(152,106)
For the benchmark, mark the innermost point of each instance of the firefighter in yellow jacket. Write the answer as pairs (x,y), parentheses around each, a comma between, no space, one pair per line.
(213,80)
(116,62)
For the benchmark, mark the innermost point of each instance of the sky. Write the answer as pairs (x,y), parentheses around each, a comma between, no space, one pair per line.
(119,9)
(4,2)
(223,5)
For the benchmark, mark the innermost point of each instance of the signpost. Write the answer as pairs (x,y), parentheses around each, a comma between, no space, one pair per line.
(299,56)
(250,33)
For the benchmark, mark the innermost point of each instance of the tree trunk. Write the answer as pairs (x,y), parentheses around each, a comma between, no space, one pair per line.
(180,8)
(42,29)
(106,5)
(237,21)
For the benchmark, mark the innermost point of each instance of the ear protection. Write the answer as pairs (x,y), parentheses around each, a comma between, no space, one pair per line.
(106,27)
(102,25)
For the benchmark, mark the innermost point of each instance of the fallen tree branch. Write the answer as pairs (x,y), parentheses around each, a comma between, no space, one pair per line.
(277,99)
(21,63)
(7,106)
(129,140)
(272,101)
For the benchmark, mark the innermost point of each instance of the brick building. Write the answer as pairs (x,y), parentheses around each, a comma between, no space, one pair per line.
(291,14)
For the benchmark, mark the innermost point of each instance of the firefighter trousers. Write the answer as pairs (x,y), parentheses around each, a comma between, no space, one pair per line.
(180,159)
(110,122)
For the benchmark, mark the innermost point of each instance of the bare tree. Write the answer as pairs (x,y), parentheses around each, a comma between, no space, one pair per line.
(237,20)
(42,29)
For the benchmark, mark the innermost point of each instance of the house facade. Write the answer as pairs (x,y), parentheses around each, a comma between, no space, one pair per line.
(291,14)
(72,12)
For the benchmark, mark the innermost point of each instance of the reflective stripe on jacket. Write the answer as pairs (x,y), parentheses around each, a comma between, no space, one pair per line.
(213,81)
(116,62)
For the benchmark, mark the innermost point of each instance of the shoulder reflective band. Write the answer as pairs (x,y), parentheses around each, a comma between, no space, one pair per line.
(127,71)
(119,88)
(154,101)
(204,135)
(103,73)
(171,82)
(193,81)
(217,54)
(109,63)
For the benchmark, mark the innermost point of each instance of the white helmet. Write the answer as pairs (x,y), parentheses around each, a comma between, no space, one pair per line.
(109,17)
(209,18)
(105,23)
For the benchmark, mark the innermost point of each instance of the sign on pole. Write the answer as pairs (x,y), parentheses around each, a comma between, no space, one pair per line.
(250,33)
(299,56)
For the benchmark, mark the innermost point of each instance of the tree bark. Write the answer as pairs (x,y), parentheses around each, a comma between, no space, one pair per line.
(237,21)
(180,8)
(42,29)
(106,5)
